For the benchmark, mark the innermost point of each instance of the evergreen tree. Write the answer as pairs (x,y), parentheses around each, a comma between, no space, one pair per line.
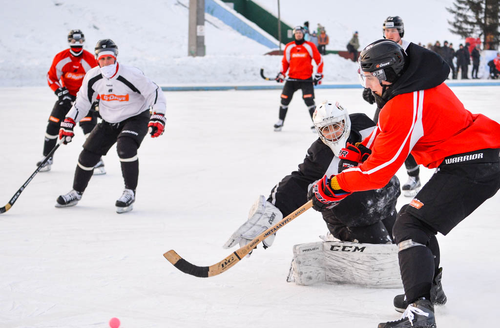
(477,18)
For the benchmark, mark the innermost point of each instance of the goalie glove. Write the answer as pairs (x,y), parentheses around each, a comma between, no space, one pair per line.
(262,215)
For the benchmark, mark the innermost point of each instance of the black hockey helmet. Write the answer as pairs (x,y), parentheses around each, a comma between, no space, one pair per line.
(106,47)
(394,22)
(76,39)
(383,58)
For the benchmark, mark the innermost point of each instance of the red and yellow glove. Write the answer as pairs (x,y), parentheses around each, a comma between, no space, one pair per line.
(326,194)
(352,156)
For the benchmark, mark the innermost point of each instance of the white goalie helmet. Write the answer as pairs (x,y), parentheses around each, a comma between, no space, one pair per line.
(333,125)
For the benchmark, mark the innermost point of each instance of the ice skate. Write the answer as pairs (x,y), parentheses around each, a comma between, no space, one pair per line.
(99,168)
(438,296)
(70,199)
(411,187)
(46,167)
(417,315)
(278,126)
(125,202)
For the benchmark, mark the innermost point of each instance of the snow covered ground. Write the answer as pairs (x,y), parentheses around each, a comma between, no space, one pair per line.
(152,35)
(81,266)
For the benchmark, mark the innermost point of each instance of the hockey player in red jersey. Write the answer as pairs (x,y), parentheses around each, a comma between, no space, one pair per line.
(423,116)
(65,78)
(297,63)
(130,104)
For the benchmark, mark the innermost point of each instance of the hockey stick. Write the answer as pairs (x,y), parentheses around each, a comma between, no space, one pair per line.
(235,257)
(20,190)
(287,79)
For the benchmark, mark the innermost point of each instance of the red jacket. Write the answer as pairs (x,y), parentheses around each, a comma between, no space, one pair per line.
(68,71)
(431,124)
(496,61)
(297,60)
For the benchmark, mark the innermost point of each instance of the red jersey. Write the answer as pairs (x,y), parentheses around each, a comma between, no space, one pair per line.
(68,71)
(297,59)
(496,61)
(431,124)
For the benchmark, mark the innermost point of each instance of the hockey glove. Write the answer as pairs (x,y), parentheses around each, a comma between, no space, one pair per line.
(352,156)
(262,216)
(63,95)
(66,133)
(280,77)
(317,78)
(326,194)
(368,96)
(156,125)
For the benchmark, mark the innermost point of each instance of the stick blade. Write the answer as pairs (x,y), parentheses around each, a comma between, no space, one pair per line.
(5,208)
(185,266)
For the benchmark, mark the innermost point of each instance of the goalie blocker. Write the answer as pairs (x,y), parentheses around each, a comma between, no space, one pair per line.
(367,265)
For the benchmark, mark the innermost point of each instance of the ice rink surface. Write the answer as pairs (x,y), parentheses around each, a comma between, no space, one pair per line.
(81,266)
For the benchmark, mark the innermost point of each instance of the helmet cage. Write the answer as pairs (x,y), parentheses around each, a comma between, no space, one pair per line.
(333,125)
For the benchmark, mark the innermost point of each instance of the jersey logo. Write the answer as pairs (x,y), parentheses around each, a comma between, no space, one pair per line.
(74,76)
(299,55)
(113,97)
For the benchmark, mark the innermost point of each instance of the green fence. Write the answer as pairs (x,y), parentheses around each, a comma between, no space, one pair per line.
(262,18)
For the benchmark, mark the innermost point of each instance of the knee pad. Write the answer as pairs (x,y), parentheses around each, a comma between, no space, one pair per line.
(408,227)
(53,128)
(88,160)
(285,100)
(309,100)
(126,149)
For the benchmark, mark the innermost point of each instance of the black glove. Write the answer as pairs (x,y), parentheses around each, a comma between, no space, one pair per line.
(368,96)
(280,77)
(317,78)
(63,95)
(353,155)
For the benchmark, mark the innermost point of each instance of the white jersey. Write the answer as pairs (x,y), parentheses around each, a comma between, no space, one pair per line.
(128,93)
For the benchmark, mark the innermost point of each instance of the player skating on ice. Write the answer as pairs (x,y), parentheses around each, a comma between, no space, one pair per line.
(129,104)
(65,78)
(423,116)
(366,217)
(297,63)
(394,29)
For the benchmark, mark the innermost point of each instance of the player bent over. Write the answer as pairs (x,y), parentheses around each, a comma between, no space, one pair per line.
(126,98)
(367,217)
(423,116)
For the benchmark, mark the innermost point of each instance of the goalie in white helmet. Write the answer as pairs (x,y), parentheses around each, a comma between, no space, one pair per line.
(365,217)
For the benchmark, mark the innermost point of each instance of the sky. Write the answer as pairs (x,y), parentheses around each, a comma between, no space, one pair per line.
(82,266)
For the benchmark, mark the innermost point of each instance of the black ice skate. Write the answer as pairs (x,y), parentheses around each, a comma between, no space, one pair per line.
(438,296)
(125,202)
(278,126)
(417,315)
(411,187)
(99,168)
(70,199)
(46,167)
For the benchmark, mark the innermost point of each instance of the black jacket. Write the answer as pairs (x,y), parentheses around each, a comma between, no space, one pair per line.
(364,208)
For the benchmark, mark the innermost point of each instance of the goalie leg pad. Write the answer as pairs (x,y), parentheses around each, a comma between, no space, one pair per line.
(367,265)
